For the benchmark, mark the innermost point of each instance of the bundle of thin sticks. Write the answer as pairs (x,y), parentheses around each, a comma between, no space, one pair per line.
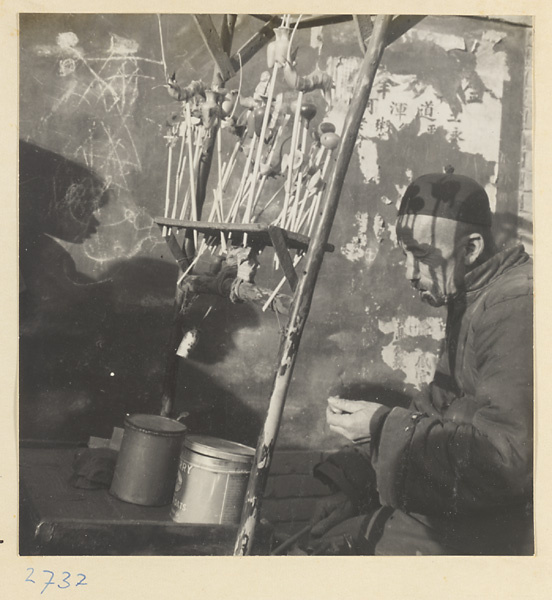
(256,155)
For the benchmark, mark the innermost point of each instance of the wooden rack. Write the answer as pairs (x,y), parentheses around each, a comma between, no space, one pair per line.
(259,236)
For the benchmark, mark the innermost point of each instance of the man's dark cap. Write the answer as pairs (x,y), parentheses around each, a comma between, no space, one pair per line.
(448,196)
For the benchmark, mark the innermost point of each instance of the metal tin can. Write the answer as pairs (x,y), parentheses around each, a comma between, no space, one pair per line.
(145,472)
(211,480)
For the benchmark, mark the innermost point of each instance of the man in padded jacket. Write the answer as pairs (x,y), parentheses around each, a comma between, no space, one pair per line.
(451,474)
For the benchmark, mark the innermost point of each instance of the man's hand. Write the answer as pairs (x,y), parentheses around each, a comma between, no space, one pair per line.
(330,511)
(351,418)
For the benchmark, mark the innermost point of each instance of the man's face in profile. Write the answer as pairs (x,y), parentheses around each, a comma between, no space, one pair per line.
(434,256)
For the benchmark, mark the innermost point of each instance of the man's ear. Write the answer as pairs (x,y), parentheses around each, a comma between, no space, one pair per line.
(475,244)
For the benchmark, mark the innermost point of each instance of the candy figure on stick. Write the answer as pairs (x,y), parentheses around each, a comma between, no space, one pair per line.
(245,122)
(183,94)
(277,49)
(228,109)
(229,103)
(261,91)
(317,80)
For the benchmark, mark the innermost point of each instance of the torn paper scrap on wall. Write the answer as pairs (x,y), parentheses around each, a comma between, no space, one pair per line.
(461,95)
(362,246)
(417,365)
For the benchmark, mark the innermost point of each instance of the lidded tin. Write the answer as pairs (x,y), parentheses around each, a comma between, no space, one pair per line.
(145,472)
(211,480)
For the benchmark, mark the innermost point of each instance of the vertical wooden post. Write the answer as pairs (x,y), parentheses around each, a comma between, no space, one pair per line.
(227,32)
(303,295)
(171,365)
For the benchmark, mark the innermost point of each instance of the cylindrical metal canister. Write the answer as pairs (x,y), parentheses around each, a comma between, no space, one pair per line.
(211,480)
(145,472)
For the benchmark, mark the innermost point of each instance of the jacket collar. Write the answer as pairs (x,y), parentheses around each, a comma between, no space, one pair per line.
(493,268)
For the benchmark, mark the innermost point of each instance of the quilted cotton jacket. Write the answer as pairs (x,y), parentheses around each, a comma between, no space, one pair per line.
(464,448)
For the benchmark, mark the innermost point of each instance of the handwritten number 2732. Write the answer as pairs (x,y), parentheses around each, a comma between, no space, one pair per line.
(65,580)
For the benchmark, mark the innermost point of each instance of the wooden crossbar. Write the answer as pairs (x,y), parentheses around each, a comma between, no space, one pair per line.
(214,45)
(257,232)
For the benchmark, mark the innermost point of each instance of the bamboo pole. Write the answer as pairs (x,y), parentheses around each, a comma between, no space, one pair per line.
(303,294)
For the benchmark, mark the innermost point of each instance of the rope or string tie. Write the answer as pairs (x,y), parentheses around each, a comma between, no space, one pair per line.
(291,38)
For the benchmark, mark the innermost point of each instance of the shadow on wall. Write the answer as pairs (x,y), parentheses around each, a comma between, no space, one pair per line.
(509,228)
(212,409)
(92,351)
(57,197)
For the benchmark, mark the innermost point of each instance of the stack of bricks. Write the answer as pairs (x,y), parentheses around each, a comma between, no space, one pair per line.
(291,492)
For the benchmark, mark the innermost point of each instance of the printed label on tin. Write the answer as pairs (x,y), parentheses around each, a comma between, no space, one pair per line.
(208,495)
(180,505)
(185,467)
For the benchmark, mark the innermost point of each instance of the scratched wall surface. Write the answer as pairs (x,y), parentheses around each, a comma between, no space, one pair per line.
(98,281)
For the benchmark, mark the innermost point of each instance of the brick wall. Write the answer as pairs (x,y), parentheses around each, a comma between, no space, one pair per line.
(292,491)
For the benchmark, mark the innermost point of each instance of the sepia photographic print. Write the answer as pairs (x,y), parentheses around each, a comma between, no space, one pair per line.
(275,286)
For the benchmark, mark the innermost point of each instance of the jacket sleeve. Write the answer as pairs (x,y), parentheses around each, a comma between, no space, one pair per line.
(350,471)
(438,465)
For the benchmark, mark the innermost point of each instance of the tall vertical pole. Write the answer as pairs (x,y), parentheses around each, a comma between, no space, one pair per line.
(303,295)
